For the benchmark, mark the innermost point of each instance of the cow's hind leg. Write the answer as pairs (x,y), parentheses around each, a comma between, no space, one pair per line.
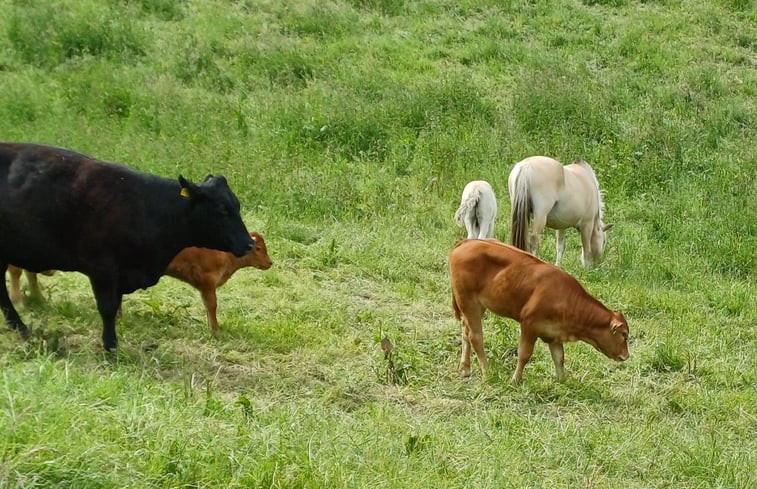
(10,313)
(108,303)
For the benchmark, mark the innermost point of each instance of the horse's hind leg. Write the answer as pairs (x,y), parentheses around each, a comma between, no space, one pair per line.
(540,222)
(560,246)
(487,229)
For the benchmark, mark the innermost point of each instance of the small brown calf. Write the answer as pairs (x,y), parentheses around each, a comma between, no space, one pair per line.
(202,268)
(546,301)
(206,270)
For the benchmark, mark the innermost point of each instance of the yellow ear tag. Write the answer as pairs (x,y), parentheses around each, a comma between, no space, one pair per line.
(185,192)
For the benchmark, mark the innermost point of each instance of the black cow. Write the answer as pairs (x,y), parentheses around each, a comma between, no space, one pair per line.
(61,210)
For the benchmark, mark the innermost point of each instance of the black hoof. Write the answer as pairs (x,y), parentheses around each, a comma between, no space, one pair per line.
(22,330)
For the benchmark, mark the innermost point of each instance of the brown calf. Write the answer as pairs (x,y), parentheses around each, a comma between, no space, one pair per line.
(547,302)
(203,268)
(206,270)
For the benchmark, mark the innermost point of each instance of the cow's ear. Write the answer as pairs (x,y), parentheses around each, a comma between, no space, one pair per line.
(188,189)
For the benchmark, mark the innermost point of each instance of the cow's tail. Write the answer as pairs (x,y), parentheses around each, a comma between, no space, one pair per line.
(521,208)
(467,206)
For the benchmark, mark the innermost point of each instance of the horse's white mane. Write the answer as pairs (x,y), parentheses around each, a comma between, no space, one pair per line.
(600,192)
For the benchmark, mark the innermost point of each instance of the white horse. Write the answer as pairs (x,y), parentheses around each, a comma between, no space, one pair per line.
(478,208)
(558,197)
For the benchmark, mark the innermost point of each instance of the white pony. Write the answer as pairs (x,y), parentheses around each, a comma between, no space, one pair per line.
(478,208)
(558,197)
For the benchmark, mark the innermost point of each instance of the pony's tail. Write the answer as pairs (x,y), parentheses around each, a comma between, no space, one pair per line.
(521,209)
(466,206)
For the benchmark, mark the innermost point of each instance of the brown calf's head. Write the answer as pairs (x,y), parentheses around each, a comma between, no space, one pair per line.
(613,341)
(258,257)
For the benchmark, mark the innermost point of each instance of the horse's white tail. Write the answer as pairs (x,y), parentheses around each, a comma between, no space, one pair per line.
(521,208)
(467,206)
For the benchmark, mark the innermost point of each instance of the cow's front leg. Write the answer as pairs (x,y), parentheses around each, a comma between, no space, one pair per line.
(108,302)
(558,357)
(10,313)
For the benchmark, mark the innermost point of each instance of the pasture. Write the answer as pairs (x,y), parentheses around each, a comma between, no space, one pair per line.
(348,129)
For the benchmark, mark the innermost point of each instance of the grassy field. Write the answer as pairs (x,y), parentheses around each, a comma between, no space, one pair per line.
(348,129)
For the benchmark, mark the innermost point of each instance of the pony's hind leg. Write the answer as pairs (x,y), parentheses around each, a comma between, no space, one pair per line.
(560,235)
(540,222)
(485,231)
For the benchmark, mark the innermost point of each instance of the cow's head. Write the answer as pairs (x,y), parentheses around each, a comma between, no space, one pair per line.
(613,339)
(214,216)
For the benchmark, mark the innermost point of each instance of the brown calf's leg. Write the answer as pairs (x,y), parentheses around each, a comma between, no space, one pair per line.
(525,350)
(476,337)
(211,304)
(472,336)
(558,357)
(465,355)
(15,274)
(34,289)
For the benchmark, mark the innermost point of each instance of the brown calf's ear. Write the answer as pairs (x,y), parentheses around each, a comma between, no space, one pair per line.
(607,227)
(614,326)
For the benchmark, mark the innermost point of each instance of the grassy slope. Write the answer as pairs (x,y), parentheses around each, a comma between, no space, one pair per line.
(348,129)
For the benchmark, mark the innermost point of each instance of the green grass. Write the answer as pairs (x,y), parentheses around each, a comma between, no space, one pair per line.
(348,128)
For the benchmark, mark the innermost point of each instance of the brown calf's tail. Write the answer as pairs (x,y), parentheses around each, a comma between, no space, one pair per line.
(521,211)
(455,307)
